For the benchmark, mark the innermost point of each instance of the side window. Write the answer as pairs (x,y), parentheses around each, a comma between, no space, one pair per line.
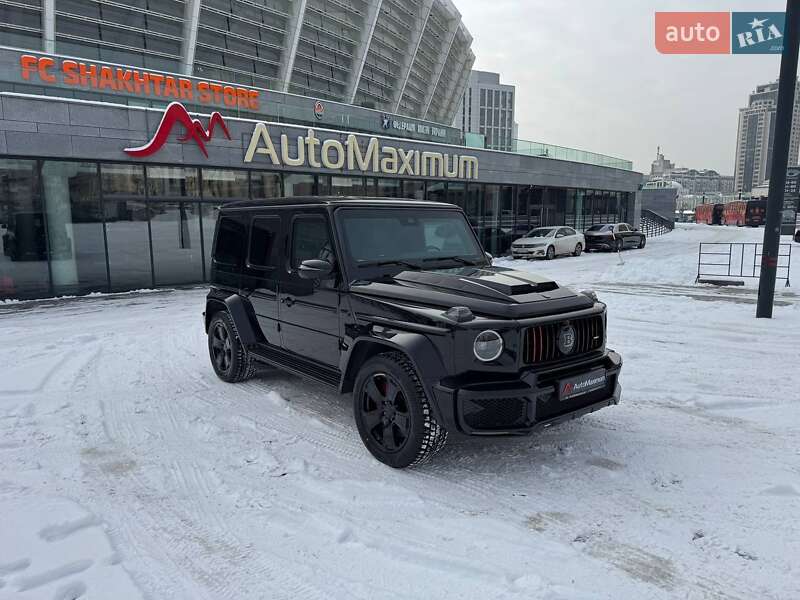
(263,250)
(561,232)
(310,240)
(623,228)
(570,231)
(229,244)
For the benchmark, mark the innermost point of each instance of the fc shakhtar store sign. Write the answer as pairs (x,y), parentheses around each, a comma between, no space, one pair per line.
(311,151)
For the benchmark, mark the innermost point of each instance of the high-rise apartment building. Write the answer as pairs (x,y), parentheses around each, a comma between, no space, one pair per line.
(487,108)
(756,137)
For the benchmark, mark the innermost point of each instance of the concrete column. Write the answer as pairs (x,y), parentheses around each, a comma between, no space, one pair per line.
(290,44)
(361,54)
(425,13)
(451,37)
(456,93)
(191,20)
(49,26)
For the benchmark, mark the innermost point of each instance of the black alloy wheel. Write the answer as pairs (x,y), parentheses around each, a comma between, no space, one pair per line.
(392,412)
(642,242)
(551,253)
(221,347)
(231,362)
(384,409)
(578,250)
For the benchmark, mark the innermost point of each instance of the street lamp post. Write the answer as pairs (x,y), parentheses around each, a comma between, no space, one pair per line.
(780,161)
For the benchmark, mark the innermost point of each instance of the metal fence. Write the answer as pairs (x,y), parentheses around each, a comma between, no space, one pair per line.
(731,261)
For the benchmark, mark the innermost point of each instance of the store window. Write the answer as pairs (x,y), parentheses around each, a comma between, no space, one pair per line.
(436,191)
(342,186)
(457,193)
(172,182)
(23,236)
(177,249)
(489,224)
(265,185)
(413,189)
(298,184)
(521,222)
(389,188)
(127,227)
(221,184)
(74,227)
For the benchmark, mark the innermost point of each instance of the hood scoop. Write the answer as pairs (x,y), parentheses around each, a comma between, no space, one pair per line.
(491,282)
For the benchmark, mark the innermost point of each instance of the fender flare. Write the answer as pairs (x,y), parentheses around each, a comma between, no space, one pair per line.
(419,350)
(240,311)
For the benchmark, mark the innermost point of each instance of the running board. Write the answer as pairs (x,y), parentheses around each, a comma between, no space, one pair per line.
(296,364)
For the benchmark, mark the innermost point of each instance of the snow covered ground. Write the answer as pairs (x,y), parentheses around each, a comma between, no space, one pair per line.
(128,471)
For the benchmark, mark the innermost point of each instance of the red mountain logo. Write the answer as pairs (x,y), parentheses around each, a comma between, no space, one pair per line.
(177,113)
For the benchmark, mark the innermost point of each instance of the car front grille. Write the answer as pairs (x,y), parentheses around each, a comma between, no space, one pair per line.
(495,413)
(540,342)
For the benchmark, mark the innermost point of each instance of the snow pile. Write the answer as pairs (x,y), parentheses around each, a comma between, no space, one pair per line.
(128,471)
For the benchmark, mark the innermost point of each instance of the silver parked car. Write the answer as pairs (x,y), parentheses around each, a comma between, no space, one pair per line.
(548,242)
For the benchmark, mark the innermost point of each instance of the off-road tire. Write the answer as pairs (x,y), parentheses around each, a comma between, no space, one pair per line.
(550,253)
(241,365)
(578,249)
(426,436)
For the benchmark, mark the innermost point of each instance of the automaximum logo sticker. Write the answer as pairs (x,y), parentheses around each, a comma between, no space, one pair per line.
(757,33)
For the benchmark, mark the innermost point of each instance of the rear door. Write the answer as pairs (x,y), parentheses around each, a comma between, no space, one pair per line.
(563,241)
(261,272)
(309,308)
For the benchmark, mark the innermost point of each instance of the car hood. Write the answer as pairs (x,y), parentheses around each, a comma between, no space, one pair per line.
(487,291)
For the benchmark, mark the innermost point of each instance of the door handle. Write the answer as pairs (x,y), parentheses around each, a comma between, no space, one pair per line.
(288,301)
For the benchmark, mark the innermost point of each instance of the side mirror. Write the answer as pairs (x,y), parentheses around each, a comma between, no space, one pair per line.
(489,257)
(315,269)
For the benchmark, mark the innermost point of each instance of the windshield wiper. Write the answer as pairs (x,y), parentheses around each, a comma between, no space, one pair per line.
(386,263)
(458,259)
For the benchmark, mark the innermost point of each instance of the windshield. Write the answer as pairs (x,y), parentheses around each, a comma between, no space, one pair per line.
(540,232)
(600,228)
(407,238)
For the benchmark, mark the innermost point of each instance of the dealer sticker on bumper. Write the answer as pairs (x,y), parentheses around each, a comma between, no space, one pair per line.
(581,384)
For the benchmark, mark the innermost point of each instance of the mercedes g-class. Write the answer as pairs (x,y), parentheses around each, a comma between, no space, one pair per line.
(397,302)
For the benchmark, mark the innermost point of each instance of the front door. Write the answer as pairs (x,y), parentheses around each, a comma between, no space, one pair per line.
(309,308)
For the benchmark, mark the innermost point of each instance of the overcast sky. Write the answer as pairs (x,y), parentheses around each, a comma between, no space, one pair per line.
(588,76)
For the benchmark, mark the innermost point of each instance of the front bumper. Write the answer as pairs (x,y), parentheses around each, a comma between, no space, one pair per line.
(528,403)
(528,252)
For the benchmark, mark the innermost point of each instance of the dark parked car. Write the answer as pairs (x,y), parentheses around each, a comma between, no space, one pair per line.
(614,236)
(797,236)
(396,302)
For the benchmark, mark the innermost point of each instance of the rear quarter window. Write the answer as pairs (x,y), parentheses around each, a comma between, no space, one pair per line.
(229,244)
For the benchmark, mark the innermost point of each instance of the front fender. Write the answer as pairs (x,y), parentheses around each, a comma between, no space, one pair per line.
(418,348)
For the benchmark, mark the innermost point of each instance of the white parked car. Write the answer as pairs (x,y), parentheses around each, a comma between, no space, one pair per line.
(548,242)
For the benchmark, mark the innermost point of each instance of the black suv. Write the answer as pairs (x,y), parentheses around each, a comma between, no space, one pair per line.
(396,302)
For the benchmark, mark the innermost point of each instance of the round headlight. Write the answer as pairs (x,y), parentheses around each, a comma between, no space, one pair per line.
(488,346)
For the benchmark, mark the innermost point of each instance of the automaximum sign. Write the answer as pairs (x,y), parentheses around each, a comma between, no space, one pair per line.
(719,32)
(310,151)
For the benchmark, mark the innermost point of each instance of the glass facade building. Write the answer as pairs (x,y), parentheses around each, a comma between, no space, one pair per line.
(70,227)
